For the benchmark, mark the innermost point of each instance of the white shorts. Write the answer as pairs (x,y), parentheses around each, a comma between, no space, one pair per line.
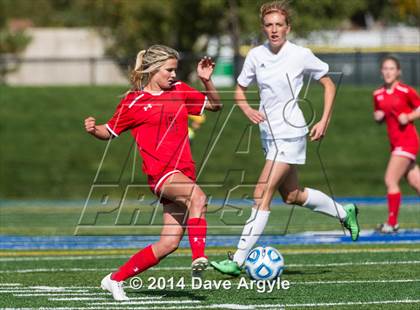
(290,151)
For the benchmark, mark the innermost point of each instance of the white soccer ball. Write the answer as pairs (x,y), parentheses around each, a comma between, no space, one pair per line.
(264,263)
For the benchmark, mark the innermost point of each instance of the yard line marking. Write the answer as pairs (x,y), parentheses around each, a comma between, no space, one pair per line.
(9,284)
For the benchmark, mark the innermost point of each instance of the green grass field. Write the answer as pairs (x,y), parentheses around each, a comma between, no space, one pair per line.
(49,156)
(337,277)
(49,166)
(39,219)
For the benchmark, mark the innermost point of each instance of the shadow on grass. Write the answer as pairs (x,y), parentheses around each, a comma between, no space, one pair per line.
(299,272)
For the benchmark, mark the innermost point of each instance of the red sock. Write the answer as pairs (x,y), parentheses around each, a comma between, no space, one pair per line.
(394,201)
(197,230)
(137,263)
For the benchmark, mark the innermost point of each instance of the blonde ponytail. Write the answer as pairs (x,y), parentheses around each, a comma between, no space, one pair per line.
(148,62)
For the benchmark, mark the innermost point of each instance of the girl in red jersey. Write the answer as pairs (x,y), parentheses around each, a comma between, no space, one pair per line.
(156,111)
(398,105)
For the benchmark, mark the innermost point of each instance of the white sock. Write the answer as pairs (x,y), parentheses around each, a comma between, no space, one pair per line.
(253,229)
(319,202)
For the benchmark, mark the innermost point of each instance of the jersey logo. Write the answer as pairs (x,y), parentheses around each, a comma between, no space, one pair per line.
(149,106)
(262,65)
(380,97)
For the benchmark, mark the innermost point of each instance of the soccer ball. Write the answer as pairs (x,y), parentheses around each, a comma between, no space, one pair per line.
(264,263)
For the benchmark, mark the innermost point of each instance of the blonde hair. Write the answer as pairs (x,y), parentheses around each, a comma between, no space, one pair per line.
(281,7)
(148,62)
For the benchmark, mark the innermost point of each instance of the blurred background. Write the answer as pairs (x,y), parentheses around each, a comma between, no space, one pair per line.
(63,60)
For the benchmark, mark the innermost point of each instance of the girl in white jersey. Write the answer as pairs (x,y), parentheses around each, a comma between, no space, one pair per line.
(278,67)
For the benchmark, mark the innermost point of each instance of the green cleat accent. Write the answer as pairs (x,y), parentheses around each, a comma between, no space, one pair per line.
(350,222)
(228,267)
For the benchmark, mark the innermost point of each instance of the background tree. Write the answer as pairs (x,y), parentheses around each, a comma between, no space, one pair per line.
(129,25)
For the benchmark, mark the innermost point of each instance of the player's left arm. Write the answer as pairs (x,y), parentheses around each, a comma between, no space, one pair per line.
(204,70)
(320,128)
(414,99)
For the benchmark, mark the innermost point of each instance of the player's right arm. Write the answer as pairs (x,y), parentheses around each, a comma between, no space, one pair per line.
(378,114)
(247,76)
(253,115)
(98,131)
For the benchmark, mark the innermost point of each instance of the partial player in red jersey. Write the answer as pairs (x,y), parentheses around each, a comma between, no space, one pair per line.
(156,112)
(399,106)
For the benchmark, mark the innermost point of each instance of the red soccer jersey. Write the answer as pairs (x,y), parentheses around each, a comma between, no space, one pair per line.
(402,99)
(159,124)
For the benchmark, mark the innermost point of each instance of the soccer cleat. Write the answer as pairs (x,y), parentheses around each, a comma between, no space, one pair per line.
(385,228)
(227,266)
(350,222)
(114,287)
(198,266)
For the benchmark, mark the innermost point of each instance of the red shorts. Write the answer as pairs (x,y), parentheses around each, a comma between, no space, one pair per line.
(156,181)
(408,150)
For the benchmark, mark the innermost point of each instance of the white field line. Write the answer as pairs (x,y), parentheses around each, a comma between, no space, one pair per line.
(10,284)
(149,299)
(123,303)
(79,289)
(291,252)
(355,281)
(233,306)
(409,262)
(54,270)
(116,308)
(28,290)
(59,294)
(27,293)
(413,262)
(336,282)
(64,257)
(349,303)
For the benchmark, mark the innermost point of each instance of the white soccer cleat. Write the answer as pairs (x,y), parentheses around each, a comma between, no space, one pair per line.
(198,266)
(385,228)
(114,287)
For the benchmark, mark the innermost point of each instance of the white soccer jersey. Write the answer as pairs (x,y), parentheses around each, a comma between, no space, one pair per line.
(280,79)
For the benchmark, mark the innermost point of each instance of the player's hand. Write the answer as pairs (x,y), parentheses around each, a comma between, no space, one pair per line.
(318,131)
(205,68)
(403,119)
(90,125)
(379,116)
(254,116)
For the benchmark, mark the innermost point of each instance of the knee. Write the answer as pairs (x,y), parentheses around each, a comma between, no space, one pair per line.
(199,200)
(290,198)
(390,182)
(169,243)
